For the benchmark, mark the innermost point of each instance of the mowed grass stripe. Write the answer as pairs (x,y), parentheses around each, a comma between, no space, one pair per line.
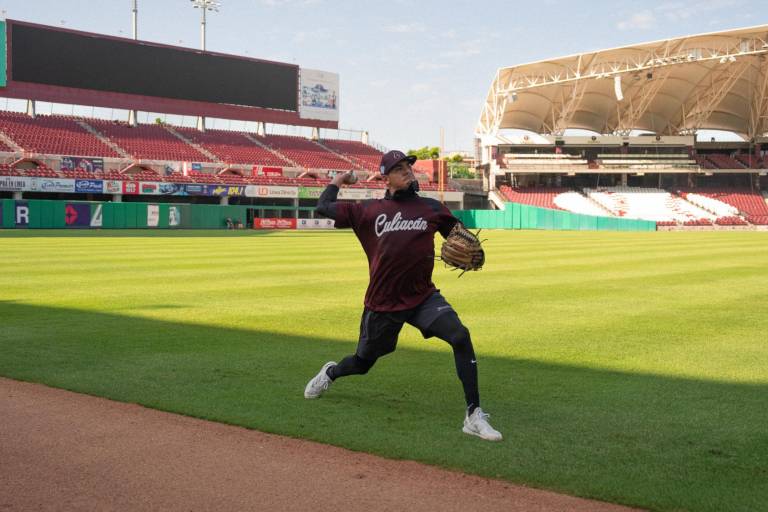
(628,367)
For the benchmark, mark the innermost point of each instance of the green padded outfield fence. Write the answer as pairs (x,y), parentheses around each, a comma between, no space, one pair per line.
(522,216)
(48,214)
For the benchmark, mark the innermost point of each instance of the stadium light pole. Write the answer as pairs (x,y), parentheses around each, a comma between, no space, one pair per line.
(204,6)
(135,20)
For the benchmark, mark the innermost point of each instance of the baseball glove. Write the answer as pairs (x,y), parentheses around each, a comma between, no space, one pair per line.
(462,250)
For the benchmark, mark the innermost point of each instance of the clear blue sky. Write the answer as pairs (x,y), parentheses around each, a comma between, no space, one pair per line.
(407,67)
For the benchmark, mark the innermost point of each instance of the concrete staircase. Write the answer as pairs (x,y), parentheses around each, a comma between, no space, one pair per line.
(496,198)
(96,133)
(274,152)
(11,143)
(198,147)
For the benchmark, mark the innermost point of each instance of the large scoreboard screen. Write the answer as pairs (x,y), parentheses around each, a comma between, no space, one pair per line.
(49,56)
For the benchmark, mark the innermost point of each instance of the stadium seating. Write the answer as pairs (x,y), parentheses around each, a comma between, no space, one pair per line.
(52,135)
(575,202)
(366,156)
(750,161)
(232,147)
(6,148)
(541,197)
(646,161)
(742,201)
(647,203)
(544,161)
(150,142)
(305,152)
(724,161)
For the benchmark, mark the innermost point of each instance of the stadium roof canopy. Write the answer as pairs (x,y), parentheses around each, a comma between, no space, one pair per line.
(676,86)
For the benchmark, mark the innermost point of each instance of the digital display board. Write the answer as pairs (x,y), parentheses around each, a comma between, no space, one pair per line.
(49,56)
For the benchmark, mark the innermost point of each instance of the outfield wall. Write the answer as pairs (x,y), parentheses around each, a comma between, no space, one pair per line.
(50,214)
(523,216)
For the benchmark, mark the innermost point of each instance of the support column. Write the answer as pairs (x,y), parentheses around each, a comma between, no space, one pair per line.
(117,198)
(261,129)
(224,200)
(17,196)
(201,123)
(364,137)
(315,133)
(132,118)
(31,108)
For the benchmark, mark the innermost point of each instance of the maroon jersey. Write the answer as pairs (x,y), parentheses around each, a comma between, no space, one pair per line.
(398,236)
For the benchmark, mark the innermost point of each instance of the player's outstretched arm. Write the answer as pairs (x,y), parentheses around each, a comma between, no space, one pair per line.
(326,204)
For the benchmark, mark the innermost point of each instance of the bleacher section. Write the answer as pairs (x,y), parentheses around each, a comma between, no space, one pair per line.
(305,152)
(148,142)
(575,202)
(52,135)
(232,147)
(541,197)
(741,201)
(647,203)
(367,157)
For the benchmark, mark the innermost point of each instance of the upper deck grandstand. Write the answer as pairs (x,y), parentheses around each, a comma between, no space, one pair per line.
(620,130)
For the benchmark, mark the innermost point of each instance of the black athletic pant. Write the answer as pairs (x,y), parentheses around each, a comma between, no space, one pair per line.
(447,327)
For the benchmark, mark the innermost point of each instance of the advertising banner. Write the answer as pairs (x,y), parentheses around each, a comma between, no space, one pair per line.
(113,187)
(149,188)
(130,187)
(153,215)
(361,193)
(21,214)
(310,192)
(174,216)
(226,190)
(314,223)
(272,171)
(53,185)
(274,223)
(77,215)
(89,186)
(193,189)
(96,216)
(15,183)
(172,189)
(318,95)
(271,191)
(76,163)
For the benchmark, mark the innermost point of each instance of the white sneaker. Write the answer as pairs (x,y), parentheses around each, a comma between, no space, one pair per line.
(319,382)
(476,424)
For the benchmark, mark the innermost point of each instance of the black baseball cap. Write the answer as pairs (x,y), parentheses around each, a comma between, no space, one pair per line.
(392,158)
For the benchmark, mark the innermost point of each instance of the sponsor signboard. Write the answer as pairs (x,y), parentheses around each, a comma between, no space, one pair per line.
(130,187)
(274,223)
(149,188)
(153,215)
(319,95)
(77,215)
(314,223)
(272,171)
(172,189)
(14,183)
(226,190)
(71,163)
(174,216)
(89,186)
(310,192)
(271,191)
(113,187)
(53,185)
(197,166)
(194,189)
(21,214)
(361,193)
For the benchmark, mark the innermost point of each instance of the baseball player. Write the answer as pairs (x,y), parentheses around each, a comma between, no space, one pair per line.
(398,236)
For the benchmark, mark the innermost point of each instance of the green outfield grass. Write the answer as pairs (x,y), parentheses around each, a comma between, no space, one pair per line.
(625,367)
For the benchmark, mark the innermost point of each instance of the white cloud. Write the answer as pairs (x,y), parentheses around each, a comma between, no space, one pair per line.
(638,21)
(421,87)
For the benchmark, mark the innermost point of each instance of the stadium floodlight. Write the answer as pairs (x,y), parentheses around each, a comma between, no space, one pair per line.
(204,6)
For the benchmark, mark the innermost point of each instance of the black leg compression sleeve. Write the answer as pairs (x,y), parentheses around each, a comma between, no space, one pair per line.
(350,365)
(448,327)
